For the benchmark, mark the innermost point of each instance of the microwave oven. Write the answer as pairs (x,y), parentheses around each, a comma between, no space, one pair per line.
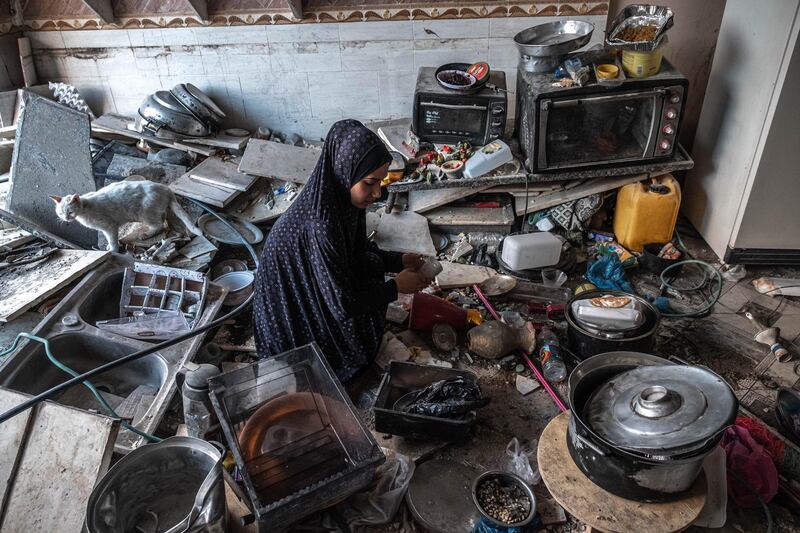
(595,125)
(446,116)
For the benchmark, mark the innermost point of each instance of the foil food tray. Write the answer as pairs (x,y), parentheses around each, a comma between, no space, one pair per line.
(638,15)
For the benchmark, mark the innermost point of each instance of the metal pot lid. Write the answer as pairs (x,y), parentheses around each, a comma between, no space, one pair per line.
(665,408)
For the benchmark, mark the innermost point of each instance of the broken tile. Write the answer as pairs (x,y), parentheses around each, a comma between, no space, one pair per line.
(526,385)
(405,232)
(198,246)
(51,157)
(789,325)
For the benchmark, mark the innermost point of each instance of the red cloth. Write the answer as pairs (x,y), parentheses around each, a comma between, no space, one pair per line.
(750,461)
(772,444)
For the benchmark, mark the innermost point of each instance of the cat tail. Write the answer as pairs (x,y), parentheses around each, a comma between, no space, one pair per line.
(183,216)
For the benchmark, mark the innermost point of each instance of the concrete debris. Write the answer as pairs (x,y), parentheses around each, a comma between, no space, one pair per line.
(392,349)
(526,385)
(396,314)
(424,357)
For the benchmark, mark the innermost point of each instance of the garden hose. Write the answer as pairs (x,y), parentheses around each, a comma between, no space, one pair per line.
(102,401)
(710,302)
(80,378)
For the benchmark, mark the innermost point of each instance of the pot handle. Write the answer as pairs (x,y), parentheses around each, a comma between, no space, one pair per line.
(590,444)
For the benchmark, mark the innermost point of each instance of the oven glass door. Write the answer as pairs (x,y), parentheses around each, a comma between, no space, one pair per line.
(462,120)
(591,130)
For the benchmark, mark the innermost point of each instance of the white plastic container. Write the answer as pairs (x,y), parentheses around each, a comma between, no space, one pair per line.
(531,250)
(623,318)
(488,158)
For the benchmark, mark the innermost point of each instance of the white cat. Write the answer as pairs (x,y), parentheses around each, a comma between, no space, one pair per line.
(120,203)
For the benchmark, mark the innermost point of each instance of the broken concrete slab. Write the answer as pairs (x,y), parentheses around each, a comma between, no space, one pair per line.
(276,160)
(51,157)
(456,275)
(405,232)
(124,166)
(217,171)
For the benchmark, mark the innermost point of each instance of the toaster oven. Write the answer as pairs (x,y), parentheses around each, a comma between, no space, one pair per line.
(447,116)
(561,127)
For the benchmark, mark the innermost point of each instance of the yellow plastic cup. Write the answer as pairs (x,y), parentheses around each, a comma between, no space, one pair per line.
(607,71)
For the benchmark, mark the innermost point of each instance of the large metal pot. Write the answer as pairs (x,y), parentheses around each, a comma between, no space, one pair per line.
(585,343)
(172,486)
(662,454)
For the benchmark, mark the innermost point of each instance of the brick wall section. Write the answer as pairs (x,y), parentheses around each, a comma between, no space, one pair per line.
(293,78)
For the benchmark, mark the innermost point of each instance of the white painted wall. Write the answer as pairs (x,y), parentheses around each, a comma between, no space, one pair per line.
(743,90)
(293,78)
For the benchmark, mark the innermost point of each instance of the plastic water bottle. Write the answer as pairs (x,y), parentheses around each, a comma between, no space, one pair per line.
(553,367)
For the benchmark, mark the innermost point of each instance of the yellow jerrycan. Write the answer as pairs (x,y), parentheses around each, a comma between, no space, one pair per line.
(646,212)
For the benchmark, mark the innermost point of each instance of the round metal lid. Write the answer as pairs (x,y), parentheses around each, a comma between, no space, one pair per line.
(666,408)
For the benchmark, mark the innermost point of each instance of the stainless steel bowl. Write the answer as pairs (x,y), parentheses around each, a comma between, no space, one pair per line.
(508,478)
(554,38)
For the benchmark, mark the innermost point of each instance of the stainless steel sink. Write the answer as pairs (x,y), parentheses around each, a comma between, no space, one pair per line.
(147,384)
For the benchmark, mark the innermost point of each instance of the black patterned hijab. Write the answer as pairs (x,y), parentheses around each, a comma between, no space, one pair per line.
(351,152)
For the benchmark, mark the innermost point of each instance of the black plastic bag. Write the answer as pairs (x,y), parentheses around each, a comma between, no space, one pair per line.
(450,398)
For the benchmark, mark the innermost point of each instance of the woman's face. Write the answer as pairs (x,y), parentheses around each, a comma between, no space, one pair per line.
(368,190)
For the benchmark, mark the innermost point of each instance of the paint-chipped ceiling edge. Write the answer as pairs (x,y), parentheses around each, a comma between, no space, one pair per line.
(320,16)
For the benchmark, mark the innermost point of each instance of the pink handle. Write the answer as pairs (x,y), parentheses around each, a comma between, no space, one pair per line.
(536,372)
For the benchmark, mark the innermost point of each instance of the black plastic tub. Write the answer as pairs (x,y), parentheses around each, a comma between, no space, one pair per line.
(585,344)
(402,378)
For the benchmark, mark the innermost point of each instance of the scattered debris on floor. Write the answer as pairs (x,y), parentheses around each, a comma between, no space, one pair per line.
(573,356)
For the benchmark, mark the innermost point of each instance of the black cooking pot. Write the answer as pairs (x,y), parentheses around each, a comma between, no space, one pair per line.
(585,343)
(627,473)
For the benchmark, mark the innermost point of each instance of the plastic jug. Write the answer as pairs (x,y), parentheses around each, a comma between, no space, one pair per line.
(646,212)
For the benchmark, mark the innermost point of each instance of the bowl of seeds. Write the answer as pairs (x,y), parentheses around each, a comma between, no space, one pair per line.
(504,499)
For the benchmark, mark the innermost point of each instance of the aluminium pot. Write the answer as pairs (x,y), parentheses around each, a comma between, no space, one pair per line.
(586,343)
(669,467)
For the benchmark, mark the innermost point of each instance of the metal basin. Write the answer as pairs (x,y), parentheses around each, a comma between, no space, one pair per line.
(76,342)
(102,303)
(82,352)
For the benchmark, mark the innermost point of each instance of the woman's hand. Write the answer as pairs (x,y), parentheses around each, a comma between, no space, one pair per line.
(408,281)
(412,261)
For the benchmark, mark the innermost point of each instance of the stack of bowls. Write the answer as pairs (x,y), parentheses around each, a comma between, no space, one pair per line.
(183,111)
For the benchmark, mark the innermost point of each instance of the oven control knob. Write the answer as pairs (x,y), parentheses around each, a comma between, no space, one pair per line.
(497,111)
(665,145)
(496,124)
(671,113)
(494,136)
(675,98)
(668,129)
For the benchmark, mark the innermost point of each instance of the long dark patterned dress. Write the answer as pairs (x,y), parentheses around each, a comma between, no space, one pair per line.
(319,279)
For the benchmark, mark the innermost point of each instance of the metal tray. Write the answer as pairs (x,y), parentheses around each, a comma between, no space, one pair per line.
(401,379)
(554,38)
(640,15)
